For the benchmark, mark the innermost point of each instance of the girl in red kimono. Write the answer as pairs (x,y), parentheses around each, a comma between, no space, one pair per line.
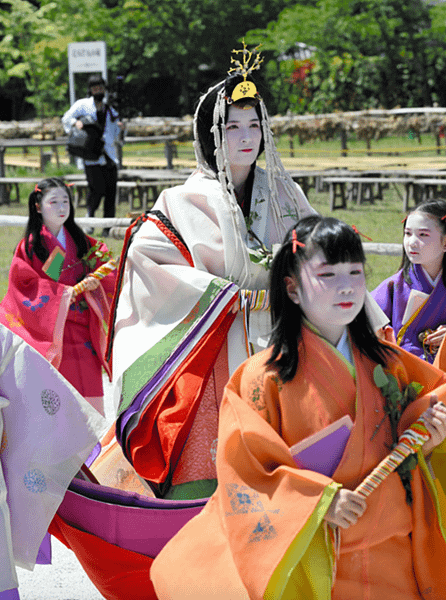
(274,530)
(40,306)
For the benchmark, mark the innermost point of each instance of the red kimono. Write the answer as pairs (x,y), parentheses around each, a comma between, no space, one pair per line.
(70,335)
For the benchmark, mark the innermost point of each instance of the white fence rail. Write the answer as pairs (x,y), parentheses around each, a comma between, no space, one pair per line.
(16,221)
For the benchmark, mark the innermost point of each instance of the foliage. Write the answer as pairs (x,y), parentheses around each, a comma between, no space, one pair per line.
(166,50)
(369,53)
(31,48)
(395,404)
(95,254)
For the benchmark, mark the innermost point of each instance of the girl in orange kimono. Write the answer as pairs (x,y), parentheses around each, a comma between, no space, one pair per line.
(273,530)
(55,254)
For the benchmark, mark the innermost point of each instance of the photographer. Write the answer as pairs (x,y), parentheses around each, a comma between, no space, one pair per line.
(101,173)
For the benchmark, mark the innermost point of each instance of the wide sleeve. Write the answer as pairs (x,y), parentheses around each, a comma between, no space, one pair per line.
(172,321)
(166,281)
(8,575)
(35,306)
(383,295)
(273,512)
(50,430)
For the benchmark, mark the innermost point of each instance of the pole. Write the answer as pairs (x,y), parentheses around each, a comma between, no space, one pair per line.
(119,85)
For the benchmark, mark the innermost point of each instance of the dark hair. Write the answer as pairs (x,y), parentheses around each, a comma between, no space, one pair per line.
(205,117)
(437,210)
(95,80)
(340,243)
(33,239)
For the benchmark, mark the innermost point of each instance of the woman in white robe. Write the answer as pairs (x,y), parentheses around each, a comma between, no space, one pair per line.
(193,304)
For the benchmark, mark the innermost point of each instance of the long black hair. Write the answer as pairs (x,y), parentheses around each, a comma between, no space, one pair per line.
(205,116)
(33,240)
(437,210)
(340,243)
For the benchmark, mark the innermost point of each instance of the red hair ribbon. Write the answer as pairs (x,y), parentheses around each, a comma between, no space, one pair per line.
(443,217)
(296,242)
(37,189)
(355,229)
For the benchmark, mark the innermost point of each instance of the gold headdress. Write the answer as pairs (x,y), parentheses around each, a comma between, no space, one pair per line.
(245,89)
(273,165)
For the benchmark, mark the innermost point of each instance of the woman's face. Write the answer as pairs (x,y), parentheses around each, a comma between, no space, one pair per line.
(54,208)
(330,296)
(244,134)
(424,242)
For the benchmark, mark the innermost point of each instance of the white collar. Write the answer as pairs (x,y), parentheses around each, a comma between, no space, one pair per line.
(61,238)
(433,282)
(343,347)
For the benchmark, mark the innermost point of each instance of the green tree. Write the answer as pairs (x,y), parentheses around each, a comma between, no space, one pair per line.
(178,46)
(32,49)
(369,52)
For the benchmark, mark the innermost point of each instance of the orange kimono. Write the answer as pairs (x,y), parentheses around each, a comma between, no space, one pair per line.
(263,533)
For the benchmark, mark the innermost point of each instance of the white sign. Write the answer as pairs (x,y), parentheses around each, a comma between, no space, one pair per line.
(86,57)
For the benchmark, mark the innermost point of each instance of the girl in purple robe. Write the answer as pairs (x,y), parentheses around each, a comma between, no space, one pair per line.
(414,299)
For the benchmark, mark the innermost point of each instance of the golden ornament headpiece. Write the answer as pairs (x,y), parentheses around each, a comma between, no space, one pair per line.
(245,89)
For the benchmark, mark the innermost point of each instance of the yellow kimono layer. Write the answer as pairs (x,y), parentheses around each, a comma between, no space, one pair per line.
(263,534)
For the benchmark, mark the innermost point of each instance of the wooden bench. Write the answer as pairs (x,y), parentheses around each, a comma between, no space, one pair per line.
(126,192)
(425,189)
(137,194)
(7,184)
(364,189)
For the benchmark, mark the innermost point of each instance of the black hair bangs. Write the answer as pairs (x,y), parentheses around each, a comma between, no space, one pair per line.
(338,241)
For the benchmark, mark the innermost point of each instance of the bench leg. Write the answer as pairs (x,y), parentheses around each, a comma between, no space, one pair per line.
(408,196)
(17,193)
(359,198)
(351,192)
(334,194)
(142,195)
(134,193)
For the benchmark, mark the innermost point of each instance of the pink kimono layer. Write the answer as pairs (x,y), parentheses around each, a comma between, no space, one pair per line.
(71,335)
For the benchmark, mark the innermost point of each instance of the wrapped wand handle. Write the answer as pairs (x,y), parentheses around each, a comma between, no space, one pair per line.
(100,272)
(409,442)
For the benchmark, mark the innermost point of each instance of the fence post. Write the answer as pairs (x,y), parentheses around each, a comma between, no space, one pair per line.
(344,149)
(168,153)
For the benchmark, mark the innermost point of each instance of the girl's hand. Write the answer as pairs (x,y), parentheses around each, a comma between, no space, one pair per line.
(91,283)
(435,417)
(345,509)
(435,338)
(236,306)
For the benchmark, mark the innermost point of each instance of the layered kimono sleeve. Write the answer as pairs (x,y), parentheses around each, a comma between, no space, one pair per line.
(99,302)
(264,525)
(35,307)
(383,295)
(49,431)
(172,321)
(8,575)
(273,511)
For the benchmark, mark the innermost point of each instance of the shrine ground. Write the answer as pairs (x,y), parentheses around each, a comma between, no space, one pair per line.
(64,579)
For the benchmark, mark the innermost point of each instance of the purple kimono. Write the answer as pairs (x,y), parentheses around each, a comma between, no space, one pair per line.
(392,296)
